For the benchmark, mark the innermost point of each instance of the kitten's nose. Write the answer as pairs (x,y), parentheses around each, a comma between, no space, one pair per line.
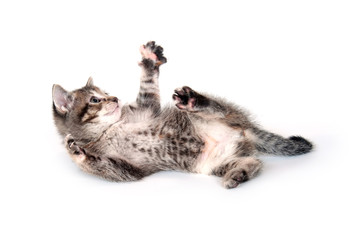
(113,99)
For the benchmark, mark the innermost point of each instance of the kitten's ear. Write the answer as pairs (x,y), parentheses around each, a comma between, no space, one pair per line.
(62,99)
(90,82)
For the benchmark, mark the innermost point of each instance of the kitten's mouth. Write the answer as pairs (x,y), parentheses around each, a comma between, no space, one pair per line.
(113,111)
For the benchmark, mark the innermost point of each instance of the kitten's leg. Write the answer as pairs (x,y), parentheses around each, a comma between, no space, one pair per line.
(152,58)
(189,100)
(238,171)
(211,107)
(113,169)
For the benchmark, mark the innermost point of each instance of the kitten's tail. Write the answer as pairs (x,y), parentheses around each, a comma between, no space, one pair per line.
(271,143)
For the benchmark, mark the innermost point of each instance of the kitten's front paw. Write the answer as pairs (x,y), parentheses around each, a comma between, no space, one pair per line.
(152,54)
(71,146)
(76,153)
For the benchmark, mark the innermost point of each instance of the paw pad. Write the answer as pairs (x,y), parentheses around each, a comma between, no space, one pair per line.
(185,98)
(153,52)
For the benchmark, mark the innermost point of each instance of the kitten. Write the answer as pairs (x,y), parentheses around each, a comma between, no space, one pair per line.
(202,134)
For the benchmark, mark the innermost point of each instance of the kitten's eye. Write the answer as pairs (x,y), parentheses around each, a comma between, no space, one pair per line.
(95,100)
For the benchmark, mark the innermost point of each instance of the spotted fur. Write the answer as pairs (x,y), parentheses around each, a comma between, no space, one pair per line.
(202,134)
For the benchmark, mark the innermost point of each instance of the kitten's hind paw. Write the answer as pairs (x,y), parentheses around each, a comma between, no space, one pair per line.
(234,178)
(153,53)
(187,99)
(184,98)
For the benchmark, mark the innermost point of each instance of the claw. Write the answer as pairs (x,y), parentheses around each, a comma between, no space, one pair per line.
(176,97)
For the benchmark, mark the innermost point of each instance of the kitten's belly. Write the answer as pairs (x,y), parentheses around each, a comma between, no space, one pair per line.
(221,143)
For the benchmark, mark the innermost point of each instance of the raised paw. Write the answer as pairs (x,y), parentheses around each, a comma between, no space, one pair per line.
(153,52)
(187,99)
(234,177)
(71,146)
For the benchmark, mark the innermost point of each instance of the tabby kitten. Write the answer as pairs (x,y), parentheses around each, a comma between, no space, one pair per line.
(202,134)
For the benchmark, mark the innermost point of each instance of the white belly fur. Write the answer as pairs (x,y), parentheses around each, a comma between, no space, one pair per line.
(220,146)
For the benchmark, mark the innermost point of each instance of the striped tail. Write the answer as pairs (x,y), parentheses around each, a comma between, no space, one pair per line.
(271,143)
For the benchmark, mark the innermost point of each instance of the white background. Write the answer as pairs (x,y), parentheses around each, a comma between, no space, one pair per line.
(292,64)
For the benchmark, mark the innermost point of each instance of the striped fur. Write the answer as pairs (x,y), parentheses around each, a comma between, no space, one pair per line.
(271,143)
(202,134)
(148,96)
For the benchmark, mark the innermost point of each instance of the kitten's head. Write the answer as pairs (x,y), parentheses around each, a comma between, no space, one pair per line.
(86,112)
